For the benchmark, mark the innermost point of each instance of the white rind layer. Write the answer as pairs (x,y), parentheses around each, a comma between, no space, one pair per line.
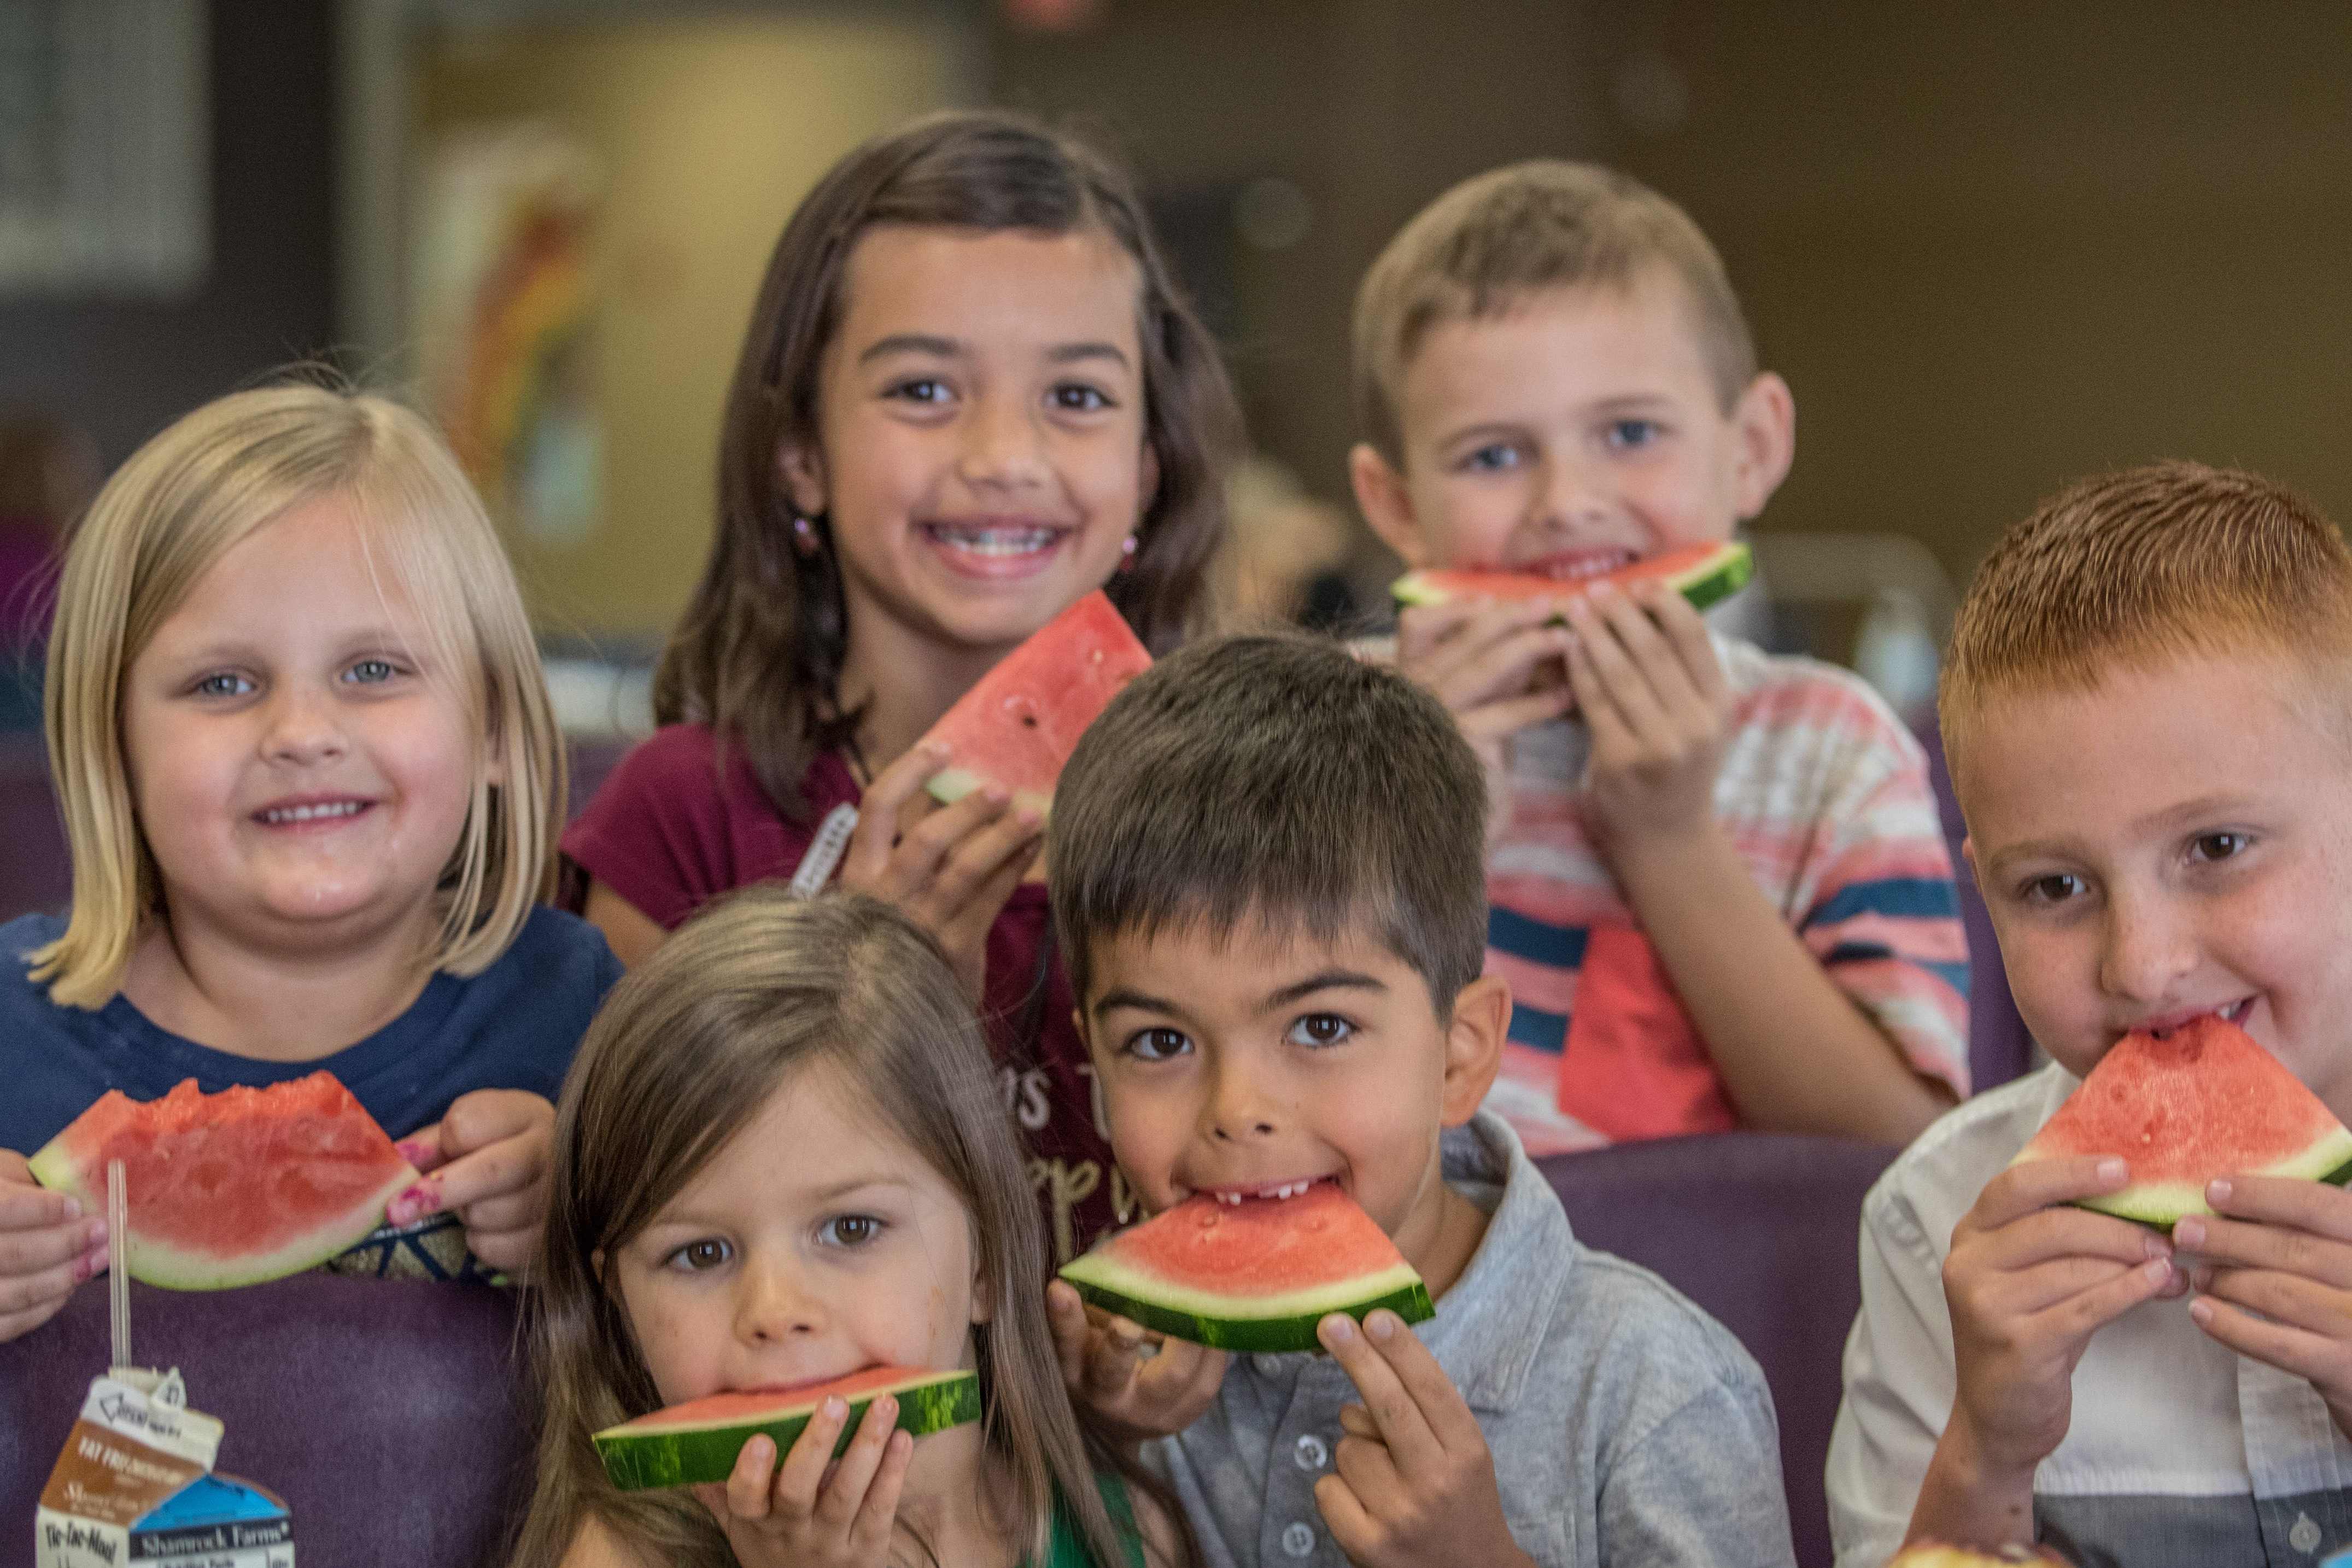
(1096,1269)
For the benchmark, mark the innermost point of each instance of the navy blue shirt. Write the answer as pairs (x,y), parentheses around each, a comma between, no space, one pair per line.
(514,1025)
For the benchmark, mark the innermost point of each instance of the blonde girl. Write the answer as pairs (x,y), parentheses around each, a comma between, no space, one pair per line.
(969,396)
(778,1162)
(310,779)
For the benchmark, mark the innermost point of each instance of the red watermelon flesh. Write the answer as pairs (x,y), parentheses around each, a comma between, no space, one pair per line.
(2181,1108)
(1702,574)
(231,1188)
(1018,726)
(1257,1275)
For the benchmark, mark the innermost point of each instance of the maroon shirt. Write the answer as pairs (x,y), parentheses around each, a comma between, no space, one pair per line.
(669,832)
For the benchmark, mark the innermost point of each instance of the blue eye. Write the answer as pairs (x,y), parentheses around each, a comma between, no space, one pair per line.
(1158,1044)
(1317,1030)
(1077,397)
(696,1257)
(1494,458)
(1631,435)
(222,683)
(371,672)
(851,1230)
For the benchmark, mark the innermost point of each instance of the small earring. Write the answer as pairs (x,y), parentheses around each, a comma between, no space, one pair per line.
(1127,554)
(804,539)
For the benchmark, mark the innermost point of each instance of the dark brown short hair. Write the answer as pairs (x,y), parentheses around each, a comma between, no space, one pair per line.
(1280,778)
(2132,569)
(756,655)
(1485,245)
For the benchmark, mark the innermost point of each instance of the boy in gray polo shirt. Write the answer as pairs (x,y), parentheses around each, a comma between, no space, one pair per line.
(1266,868)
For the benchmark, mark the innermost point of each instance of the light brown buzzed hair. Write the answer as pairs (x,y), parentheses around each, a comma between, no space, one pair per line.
(2138,568)
(1481,249)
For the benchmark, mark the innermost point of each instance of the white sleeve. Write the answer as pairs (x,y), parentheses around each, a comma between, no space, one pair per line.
(1899,1384)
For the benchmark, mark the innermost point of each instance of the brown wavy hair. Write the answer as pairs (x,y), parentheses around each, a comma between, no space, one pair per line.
(758,653)
(687,1049)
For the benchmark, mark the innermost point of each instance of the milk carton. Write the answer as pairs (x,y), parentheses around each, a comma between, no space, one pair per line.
(134,1484)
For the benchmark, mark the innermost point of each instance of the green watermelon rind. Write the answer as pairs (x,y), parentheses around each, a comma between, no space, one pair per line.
(639,1457)
(950,784)
(168,1267)
(2162,1204)
(1709,584)
(1252,1324)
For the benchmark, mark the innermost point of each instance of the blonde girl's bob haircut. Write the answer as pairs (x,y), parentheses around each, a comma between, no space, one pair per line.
(690,1049)
(182,501)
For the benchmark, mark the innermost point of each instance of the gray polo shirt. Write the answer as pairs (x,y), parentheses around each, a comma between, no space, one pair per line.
(1628,1427)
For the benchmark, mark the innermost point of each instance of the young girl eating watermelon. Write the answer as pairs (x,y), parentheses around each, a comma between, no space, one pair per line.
(778,1163)
(310,775)
(968,397)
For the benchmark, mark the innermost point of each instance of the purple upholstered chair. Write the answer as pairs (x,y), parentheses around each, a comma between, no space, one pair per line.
(1998,1047)
(388,1413)
(1762,1230)
(35,872)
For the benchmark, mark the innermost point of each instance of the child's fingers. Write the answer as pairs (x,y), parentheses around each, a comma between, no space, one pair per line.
(871,1531)
(43,1290)
(1422,627)
(29,1208)
(2019,1190)
(1352,1527)
(2317,1356)
(1432,1392)
(837,1506)
(422,1149)
(2086,1312)
(511,1165)
(2010,1296)
(2275,1246)
(802,1474)
(1357,1422)
(1652,690)
(1403,1426)
(981,871)
(39,1249)
(2319,1208)
(1611,735)
(914,865)
(1065,1319)
(1496,720)
(2044,1236)
(483,1117)
(1685,631)
(748,1483)
(1113,1355)
(1478,672)
(885,797)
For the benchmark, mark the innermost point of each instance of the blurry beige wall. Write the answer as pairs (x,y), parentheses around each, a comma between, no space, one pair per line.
(709,132)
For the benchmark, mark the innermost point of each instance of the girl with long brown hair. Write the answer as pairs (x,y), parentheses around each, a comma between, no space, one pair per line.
(969,396)
(778,1161)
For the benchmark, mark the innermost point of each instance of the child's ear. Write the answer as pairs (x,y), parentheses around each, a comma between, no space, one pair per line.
(1474,1045)
(801,470)
(1147,474)
(1386,502)
(1968,857)
(1765,422)
(983,1296)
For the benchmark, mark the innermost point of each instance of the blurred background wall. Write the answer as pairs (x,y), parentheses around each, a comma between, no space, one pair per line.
(1991,245)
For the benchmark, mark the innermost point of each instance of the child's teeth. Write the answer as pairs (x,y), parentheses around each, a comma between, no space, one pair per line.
(309,813)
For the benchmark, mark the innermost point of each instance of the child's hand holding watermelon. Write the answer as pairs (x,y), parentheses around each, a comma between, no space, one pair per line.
(2030,1279)
(2282,1248)
(1137,1398)
(1488,662)
(1413,1481)
(48,1246)
(950,868)
(809,1512)
(487,1161)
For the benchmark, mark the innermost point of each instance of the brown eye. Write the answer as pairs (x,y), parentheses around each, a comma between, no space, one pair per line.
(1320,1030)
(698,1256)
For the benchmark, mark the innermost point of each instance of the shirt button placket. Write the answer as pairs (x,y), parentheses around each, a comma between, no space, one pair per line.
(1310,1453)
(1297,1538)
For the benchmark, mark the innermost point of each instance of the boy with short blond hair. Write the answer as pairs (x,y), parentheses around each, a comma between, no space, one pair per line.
(1720,891)
(1264,871)
(2148,711)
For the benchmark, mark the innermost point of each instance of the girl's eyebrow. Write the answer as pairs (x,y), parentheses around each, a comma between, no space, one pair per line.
(911,343)
(1068,353)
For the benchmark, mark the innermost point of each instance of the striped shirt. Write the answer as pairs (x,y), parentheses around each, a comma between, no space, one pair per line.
(2179,1453)
(1826,795)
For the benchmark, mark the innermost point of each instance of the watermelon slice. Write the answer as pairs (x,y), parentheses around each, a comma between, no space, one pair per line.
(1702,574)
(1017,727)
(231,1188)
(1253,1276)
(699,1441)
(2186,1106)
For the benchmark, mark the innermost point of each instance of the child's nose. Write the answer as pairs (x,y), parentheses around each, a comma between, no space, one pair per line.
(2149,948)
(1239,1110)
(773,1303)
(1002,444)
(302,726)
(1570,492)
